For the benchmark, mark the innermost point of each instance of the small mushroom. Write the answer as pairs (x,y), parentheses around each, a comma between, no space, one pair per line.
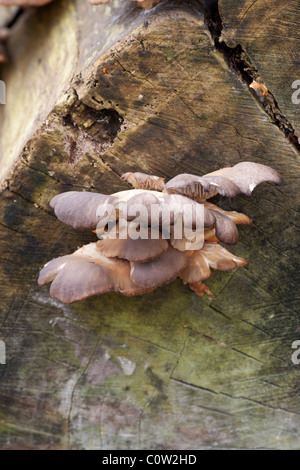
(143,181)
(225,228)
(259,88)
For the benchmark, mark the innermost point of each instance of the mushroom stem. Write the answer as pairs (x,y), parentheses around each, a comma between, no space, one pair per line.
(200,289)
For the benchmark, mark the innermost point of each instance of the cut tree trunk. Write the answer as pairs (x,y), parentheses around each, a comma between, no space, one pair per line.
(93,92)
(269,33)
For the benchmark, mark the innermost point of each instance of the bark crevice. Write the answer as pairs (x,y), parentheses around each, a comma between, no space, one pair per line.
(241,65)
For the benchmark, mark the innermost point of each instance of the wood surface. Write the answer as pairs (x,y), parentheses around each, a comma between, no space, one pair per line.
(93,93)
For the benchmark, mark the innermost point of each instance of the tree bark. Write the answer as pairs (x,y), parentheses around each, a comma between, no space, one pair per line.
(94,92)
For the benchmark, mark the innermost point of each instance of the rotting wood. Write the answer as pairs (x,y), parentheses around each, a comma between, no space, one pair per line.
(168,370)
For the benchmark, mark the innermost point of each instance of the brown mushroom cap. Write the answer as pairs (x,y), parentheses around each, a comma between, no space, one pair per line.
(144,181)
(237,217)
(147,200)
(226,230)
(80,209)
(201,187)
(170,207)
(86,273)
(241,178)
(139,250)
(212,255)
(160,271)
(247,175)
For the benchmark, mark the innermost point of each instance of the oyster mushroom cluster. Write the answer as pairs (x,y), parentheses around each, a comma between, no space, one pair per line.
(158,241)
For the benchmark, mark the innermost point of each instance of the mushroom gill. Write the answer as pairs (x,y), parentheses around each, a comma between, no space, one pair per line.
(152,234)
(143,181)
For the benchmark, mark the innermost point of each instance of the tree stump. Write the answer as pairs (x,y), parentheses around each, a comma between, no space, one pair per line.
(93,92)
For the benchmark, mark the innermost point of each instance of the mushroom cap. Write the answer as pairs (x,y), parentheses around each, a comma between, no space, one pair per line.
(212,255)
(84,210)
(86,273)
(226,230)
(144,200)
(221,259)
(160,271)
(201,187)
(237,217)
(170,207)
(140,250)
(247,175)
(185,244)
(81,209)
(241,178)
(144,181)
